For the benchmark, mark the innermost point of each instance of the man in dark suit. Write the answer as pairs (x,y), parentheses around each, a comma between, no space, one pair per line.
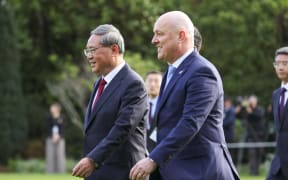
(279,165)
(255,127)
(229,120)
(153,82)
(189,113)
(114,132)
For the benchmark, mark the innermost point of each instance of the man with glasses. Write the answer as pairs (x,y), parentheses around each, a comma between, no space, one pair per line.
(114,127)
(279,165)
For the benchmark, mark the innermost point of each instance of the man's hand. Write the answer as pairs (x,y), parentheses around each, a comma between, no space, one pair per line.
(83,168)
(142,169)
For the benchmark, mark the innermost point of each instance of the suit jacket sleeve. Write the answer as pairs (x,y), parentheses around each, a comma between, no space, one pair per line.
(202,90)
(132,109)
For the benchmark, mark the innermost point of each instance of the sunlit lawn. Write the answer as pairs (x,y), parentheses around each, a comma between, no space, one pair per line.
(21,176)
(38,176)
(69,177)
(252,177)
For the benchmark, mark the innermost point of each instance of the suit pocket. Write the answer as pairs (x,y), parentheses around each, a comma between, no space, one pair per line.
(194,152)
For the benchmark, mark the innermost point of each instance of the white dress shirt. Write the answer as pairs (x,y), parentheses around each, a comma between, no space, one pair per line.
(110,76)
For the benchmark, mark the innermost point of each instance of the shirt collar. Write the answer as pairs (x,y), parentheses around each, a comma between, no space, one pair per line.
(109,77)
(154,100)
(177,63)
(284,85)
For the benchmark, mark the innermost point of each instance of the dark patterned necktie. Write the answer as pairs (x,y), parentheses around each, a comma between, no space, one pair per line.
(99,92)
(282,104)
(150,113)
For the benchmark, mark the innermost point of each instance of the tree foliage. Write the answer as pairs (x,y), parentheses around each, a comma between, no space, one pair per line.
(12,113)
(240,38)
(52,35)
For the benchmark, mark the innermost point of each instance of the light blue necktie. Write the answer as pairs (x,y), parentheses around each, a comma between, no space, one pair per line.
(170,73)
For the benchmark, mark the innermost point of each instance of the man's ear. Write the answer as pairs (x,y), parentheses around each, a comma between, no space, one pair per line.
(115,49)
(182,35)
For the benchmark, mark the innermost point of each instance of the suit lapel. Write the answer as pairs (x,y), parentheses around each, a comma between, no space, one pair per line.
(276,109)
(106,94)
(88,111)
(162,87)
(108,91)
(180,71)
(160,96)
(283,122)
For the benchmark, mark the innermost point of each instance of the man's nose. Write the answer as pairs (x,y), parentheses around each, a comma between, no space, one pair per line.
(154,40)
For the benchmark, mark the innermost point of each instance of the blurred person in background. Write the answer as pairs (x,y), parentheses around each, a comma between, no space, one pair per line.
(55,142)
(229,123)
(255,127)
(270,123)
(229,119)
(152,81)
(197,39)
(279,164)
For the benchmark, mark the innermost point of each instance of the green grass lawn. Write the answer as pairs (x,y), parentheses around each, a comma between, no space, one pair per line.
(4,176)
(20,176)
(250,177)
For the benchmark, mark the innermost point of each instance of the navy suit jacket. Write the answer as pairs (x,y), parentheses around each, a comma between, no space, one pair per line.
(115,133)
(280,159)
(229,124)
(189,116)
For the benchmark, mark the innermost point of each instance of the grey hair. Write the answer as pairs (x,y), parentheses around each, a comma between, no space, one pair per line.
(110,35)
(282,50)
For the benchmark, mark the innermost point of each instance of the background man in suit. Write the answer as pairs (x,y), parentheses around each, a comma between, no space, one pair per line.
(115,119)
(279,165)
(255,127)
(152,81)
(229,119)
(189,113)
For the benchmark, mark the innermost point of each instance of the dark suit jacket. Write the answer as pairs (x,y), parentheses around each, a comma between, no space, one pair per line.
(229,124)
(256,125)
(115,131)
(150,143)
(281,127)
(59,122)
(189,118)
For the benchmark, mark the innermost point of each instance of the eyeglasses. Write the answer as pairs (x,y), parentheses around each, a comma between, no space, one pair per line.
(91,51)
(278,63)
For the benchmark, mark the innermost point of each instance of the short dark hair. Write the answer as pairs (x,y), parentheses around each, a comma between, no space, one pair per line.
(228,98)
(282,50)
(197,39)
(153,72)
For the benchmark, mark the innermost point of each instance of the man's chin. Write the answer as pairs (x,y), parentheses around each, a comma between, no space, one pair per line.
(95,71)
(160,58)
